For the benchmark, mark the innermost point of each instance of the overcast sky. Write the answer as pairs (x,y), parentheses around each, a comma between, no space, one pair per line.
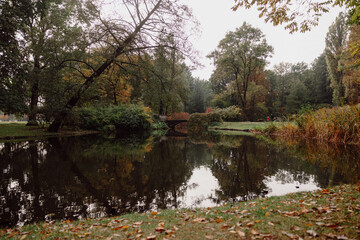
(216,19)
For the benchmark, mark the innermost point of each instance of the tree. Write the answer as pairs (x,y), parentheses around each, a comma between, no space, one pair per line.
(12,84)
(322,89)
(166,86)
(44,34)
(241,58)
(298,15)
(350,64)
(335,40)
(135,32)
(199,96)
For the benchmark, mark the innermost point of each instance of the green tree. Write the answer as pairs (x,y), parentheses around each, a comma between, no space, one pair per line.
(199,96)
(322,90)
(12,69)
(166,86)
(239,60)
(335,40)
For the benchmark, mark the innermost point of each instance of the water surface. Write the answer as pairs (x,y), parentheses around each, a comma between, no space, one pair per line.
(93,176)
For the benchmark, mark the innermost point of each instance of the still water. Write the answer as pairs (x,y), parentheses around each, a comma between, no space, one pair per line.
(93,176)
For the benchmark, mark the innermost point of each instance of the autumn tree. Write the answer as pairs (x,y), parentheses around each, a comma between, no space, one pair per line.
(135,28)
(239,60)
(350,64)
(335,40)
(298,15)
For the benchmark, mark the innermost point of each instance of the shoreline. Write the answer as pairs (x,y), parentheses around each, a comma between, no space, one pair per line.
(332,213)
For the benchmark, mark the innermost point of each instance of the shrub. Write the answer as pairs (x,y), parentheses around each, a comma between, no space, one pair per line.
(232,113)
(201,121)
(129,117)
(125,117)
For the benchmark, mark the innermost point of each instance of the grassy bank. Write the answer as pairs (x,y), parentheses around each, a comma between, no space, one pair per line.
(241,126)
(325,214)
(19,130)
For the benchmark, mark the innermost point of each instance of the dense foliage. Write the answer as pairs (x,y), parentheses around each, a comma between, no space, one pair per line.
(200,122)
(123,117)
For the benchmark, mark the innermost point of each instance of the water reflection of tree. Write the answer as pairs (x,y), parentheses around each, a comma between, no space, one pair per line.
(89,176)
(240,170)
(334,164)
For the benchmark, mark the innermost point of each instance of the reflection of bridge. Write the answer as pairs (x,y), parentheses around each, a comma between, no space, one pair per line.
(172,123)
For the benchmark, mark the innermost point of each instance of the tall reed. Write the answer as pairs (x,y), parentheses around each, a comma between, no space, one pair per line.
(337,124)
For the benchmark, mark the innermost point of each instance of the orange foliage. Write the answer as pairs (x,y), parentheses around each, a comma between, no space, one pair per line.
(179,116)
(4,117)
(208,110)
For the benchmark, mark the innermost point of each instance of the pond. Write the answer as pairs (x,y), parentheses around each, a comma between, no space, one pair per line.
(93,176)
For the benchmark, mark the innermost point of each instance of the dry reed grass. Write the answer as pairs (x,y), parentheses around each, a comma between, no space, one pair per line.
(337,125)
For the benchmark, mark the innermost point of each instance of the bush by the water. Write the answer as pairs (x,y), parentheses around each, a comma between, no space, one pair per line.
(229,114)
(126,117)
(201,121)
(338,125)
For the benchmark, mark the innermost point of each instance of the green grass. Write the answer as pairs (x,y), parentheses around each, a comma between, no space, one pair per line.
(19,130)
(325,214)
(242,126)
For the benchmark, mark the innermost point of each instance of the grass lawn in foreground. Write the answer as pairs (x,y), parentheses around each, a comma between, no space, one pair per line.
(242,126)
(324,214)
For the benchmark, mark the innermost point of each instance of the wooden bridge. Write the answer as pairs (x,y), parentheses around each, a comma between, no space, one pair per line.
(172,123)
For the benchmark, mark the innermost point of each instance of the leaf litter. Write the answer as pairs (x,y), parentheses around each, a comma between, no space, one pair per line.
(325,214)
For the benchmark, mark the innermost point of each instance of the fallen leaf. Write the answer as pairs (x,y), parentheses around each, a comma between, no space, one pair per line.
(240,233)
(267,214)
(154,213)
(160,227)
(250,224)
(312,233)
(152,237)
(169,232)
(209,237)
(218,220)
(199,220)
(295,228)
(290,235)
(254,232)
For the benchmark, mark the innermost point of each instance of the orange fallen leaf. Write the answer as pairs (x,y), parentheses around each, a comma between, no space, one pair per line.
(153,213)
(267,214)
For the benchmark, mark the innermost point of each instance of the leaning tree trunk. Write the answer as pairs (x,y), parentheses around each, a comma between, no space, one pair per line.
(56,124)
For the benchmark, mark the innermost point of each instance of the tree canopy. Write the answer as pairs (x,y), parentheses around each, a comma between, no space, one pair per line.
(298,15)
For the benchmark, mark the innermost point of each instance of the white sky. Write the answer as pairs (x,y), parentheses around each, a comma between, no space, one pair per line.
(216,19)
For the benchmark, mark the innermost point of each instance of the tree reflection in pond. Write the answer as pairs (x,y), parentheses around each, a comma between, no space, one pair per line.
(92,176)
